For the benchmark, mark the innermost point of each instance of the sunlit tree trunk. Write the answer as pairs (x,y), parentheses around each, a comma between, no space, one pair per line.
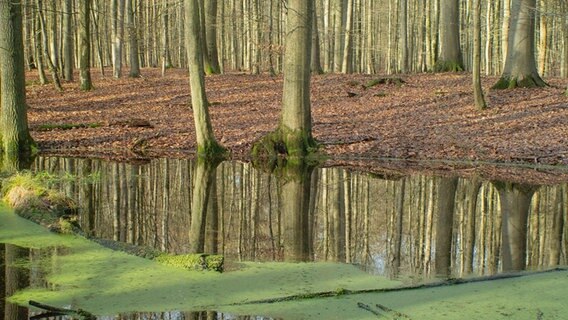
(206,143)
(85,44)
(15,138)
(45,47)
(68,59)
(293,137)
(479,99)
(211,34)
(450,57)
(134,59)
(117,16)
(520,65)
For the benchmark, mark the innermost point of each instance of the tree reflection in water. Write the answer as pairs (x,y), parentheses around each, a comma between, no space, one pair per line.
(401,226)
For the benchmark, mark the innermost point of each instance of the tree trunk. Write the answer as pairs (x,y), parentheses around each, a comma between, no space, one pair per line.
(450,57)
(15,138)
(206,143)
(133,40)
(45,48)
(211,35)
(445,202)
(520,65)
(293,137)
(338,34)
(316,61)
(346,66)
(117,16)
(68,60)
(479,99)
(403,21)
(85,44)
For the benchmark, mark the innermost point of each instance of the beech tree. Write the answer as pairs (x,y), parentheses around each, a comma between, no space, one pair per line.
(14,133)
(293,137)
(520,65)
(207,145)
(450,57)
(477,90)
(84,32)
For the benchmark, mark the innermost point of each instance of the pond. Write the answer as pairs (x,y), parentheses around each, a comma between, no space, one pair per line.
(333,223)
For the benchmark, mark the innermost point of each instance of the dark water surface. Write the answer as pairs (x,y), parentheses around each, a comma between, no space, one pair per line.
(412,228)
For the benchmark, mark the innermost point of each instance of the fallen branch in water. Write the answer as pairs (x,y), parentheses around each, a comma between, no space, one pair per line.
(55,311)
(448,282)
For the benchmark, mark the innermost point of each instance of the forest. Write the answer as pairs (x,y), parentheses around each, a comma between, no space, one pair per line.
(337,159)
(396,53)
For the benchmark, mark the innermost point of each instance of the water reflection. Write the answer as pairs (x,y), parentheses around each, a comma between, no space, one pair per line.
(408,227)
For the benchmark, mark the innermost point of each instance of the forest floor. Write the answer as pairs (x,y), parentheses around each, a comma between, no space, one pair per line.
(429,117)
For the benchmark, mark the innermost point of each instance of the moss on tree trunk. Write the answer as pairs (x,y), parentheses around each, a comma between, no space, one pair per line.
(284,143)
(529,81)
(448,66)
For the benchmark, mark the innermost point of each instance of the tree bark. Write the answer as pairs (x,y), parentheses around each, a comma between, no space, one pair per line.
(85,44)
(479,99)
(520,65)
(450,57)
(206,143)
(15,138)
(293,137)
(68,59)
(211,35)
(133,40)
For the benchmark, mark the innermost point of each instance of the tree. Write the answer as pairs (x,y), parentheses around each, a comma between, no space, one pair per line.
(520,64)
(117,16)
(211,35)
(84,32)
(206,143)
(477,90)
(293,137)
(67,41)
(15,137)
(133,40)
(450,57)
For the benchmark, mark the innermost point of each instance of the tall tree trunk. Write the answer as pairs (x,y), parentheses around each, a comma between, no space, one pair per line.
(450,57)
(403,58)
(316,61)
(520,65)
(15,138)
(293,137)
(206,143)
(68,59)
(166,58)
(445,202)
(45,47)
(131,26)
(85,44)
(346,65)
(117,16)
(211,34)
(479,99)
(338,11)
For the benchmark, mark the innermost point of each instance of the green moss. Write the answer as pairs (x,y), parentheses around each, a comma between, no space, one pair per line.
(284,143)
(212,149)
(67,126)
(528,81)
(448,66)
(198,261)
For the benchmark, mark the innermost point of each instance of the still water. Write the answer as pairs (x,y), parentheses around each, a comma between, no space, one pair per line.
(412,228)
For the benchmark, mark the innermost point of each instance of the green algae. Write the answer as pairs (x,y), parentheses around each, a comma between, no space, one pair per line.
(196,261)
(104,281)
(513,298)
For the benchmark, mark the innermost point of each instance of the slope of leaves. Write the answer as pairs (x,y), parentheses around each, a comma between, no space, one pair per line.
(430,116)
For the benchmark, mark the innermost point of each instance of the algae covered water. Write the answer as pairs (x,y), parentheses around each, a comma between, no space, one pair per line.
(293,234)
